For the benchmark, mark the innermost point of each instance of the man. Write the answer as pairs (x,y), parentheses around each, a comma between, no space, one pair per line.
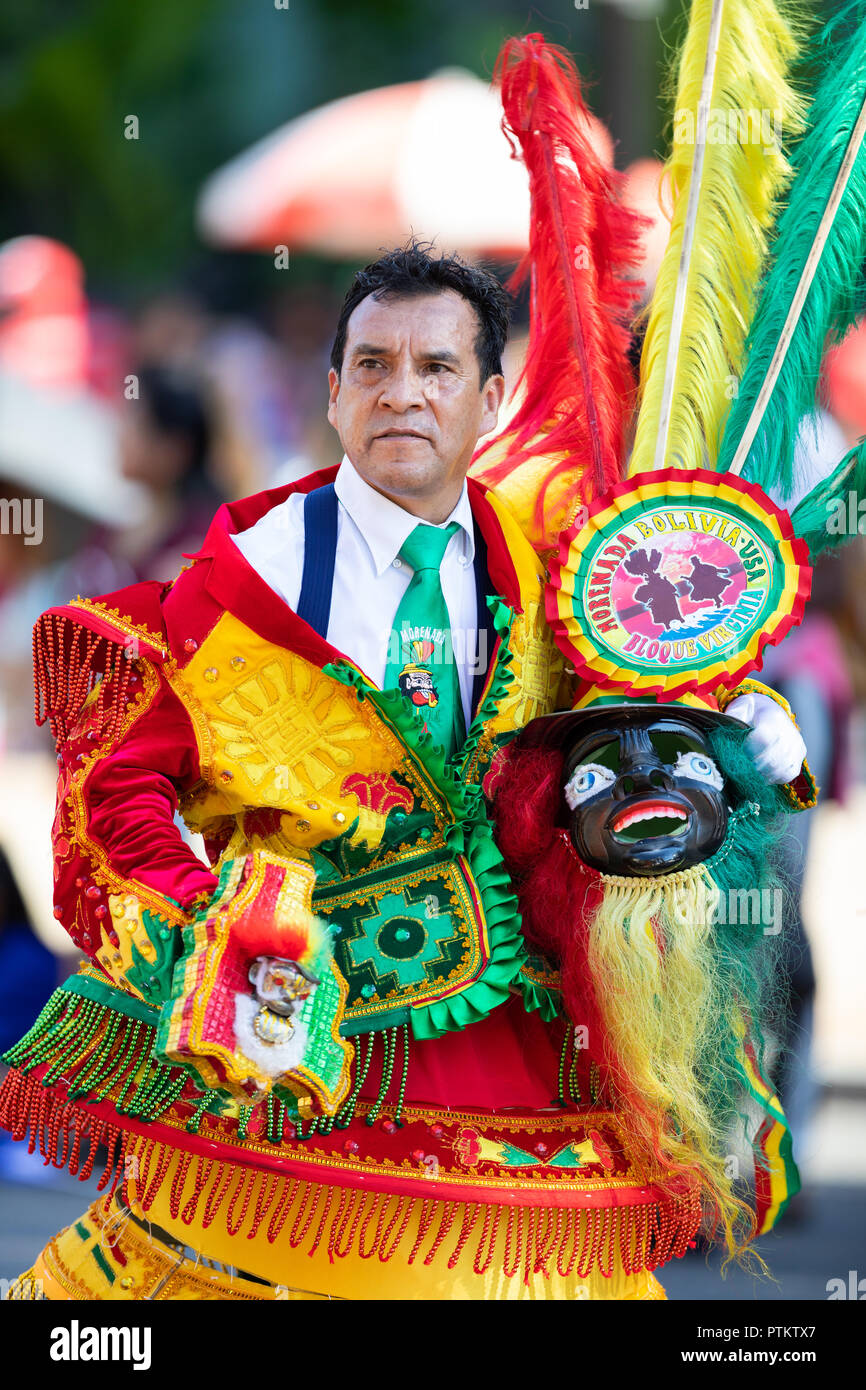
(322,692)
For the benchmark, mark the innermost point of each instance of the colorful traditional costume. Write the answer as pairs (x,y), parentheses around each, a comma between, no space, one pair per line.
(340,1068)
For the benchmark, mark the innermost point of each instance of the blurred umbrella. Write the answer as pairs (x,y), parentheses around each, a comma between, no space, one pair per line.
(364,172)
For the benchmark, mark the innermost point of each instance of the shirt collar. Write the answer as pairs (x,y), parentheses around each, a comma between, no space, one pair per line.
(385,526)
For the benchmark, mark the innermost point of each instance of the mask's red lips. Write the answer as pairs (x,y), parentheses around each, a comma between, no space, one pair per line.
(647,810)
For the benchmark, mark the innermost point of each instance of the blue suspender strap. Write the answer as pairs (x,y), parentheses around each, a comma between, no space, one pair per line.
(320,553)
(486,635)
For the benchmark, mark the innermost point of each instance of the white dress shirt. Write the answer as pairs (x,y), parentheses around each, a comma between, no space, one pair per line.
(370,579)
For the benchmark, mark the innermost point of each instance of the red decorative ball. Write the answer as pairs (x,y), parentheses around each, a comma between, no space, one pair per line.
(542,1150)
(58,913)
(418,1155)
(351,1146)
(389,1127)
(436,1130)
(93,891)
(190,645)
(101,911)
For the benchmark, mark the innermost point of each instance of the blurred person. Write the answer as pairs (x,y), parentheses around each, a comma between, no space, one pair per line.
(28,970)
(167,443)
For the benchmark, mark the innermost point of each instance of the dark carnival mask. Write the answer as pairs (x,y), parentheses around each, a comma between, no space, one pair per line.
(645,794)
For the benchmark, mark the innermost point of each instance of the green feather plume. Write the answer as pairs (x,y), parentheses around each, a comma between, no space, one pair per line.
(761,445)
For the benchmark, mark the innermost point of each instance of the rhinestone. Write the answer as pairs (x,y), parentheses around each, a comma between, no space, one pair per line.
(238,663)
(211,674)
(313,805)
(58,913)
(190,645)
(101,911)
(117,909)
(130,924)
(126,1283)
(368,991)
(93,891)
(117,956)
(351,1146)
(401,934)
(303,826)
(164,933)
(338,817)
(425,832)
(399,817)
(226,776)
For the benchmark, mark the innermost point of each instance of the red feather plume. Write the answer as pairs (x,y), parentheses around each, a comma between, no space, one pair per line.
(584,243)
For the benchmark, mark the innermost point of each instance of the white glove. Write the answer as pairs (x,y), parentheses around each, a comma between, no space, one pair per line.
(775,742)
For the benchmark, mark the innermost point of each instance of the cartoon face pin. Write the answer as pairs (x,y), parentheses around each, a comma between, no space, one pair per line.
(645,798)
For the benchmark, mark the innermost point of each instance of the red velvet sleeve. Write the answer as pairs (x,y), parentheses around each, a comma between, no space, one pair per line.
(124,878)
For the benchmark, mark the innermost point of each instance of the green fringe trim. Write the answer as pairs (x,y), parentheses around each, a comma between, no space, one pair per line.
(507,948)
(102,1042)
(546,998)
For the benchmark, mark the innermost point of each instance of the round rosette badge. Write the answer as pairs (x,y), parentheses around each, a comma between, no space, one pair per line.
(676,582)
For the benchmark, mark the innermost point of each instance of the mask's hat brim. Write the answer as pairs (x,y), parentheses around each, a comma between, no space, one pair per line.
(552,730)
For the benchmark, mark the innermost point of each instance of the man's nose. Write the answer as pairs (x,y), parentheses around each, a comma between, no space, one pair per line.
(403,389)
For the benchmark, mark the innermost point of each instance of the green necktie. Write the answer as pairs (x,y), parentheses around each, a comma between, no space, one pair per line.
(421,653)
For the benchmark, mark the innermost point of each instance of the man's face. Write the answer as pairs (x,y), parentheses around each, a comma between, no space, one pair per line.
(408,405)
(645,800)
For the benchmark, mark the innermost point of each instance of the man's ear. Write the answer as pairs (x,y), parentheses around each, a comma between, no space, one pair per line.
(493,393)
(333,392)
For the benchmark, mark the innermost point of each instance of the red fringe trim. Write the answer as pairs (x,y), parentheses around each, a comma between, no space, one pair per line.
(537,1240)
(68,658)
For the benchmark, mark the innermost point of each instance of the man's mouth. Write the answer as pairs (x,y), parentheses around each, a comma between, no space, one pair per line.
(649,820)
(402,434)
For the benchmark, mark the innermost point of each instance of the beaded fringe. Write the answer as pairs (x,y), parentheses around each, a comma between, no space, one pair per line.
(97,1050)
(344,1221)
(68,661)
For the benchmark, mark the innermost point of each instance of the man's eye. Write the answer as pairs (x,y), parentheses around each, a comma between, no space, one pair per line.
(587,781)
(436,367)
(699,768)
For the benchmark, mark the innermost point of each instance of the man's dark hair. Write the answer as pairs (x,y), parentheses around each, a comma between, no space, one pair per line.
(411,270)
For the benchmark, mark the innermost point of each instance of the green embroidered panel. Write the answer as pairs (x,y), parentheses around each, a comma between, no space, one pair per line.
(405,935)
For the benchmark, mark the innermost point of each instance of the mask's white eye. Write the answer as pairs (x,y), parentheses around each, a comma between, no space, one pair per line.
(587,780)
(699,768)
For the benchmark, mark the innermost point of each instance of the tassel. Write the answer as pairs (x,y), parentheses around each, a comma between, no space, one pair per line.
(69,661)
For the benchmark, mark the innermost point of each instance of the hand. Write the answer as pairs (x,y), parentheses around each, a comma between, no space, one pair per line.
(775,742)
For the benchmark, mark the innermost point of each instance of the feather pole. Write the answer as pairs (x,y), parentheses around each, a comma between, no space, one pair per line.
(565,443)
(815,285)
(726,172)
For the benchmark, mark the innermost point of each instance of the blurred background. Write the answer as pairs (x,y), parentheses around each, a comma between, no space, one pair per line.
(185,192)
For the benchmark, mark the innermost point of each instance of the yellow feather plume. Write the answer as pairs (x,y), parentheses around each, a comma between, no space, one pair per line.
(734,108)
